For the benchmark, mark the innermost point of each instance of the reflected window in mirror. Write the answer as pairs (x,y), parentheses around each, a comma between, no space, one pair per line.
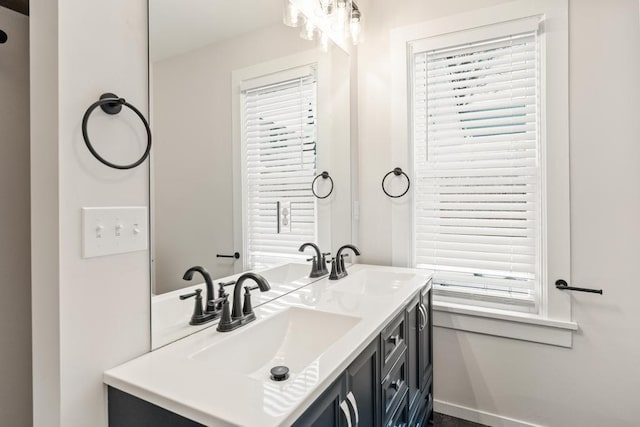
(279,138)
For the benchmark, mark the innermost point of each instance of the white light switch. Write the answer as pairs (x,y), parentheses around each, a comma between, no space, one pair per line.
(108,231)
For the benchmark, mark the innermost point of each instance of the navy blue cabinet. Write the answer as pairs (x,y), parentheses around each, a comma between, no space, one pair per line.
(353,399)
(390,384)
(363,387)
(329,410)
(420,347)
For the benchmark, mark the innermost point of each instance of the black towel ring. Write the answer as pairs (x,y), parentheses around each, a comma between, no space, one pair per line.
(112,104)
(396,172)
(323,175)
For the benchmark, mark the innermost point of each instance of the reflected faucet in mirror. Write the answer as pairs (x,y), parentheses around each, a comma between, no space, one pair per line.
(210,306)
(200,316)
(318,262)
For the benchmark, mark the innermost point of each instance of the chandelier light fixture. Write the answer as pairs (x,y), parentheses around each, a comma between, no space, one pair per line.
(324,20)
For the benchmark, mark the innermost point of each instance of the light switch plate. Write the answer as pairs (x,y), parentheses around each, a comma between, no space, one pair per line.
(114,230)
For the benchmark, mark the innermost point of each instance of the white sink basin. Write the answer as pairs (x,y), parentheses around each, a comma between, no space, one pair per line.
(294,338)
(375,282)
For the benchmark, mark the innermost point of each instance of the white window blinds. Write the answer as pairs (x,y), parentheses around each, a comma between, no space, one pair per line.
(477,169)
(280,163)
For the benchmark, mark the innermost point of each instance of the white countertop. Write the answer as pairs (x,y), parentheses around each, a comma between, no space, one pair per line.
(212,393)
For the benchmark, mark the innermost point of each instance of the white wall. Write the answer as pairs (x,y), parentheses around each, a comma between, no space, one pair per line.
(595,382)
(15,267)
(88,314)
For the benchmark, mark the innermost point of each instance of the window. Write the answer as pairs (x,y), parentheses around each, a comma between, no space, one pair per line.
(509,291)
(478,168)
(279,161)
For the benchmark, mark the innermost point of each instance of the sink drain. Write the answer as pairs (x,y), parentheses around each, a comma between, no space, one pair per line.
(279,373)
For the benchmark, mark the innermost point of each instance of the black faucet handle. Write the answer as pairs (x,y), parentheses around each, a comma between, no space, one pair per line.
(222,285)
(334,275)
(195,293)
(199,316)
(220,300)
(248,289)
(215,305)
(311,259)
(247,307)
(221,293)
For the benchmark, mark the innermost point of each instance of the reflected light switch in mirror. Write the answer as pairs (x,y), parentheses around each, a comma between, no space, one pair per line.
(284,217)
(108,231)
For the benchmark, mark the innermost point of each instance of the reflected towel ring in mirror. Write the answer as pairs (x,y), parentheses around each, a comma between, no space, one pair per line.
(112,104)
(396,172)
(323,175)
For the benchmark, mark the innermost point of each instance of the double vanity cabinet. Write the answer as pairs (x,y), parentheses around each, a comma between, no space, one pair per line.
(390,383)
(359,350)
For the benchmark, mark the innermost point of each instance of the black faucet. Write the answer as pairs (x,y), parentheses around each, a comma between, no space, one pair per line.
(199,316)
(318,262)
(239,316)
(338,270)
(210,306)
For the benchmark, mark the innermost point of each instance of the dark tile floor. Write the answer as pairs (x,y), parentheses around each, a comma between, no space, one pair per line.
(447,421)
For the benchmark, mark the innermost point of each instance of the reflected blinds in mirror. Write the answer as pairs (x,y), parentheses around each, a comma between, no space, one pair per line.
(477,169)
(280,162)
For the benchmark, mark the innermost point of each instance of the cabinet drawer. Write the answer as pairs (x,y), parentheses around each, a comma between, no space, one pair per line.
(401,416)
(393,342)
(421,410)
(394,387)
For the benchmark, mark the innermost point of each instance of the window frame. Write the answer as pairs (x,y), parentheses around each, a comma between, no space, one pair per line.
(552,324)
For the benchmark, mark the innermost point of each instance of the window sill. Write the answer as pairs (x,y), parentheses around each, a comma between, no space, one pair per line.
(503,324)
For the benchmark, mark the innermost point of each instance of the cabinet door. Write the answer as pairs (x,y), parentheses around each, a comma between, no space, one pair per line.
(413,349)
(363,387)
(328,410)
(425,354)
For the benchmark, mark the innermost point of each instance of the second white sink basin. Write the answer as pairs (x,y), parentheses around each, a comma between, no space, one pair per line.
(287,273)
(294,338)
(374,282)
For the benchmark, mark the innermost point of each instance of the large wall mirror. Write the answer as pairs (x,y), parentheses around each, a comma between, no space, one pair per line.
(245,114)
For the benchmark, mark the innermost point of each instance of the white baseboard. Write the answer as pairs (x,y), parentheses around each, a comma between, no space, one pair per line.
(477,416)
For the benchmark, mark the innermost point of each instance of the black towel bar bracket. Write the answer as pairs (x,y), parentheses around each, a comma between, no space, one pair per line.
(564,286)
(112,104)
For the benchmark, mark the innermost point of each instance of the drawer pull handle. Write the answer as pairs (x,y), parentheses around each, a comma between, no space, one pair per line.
(423,313)
(396,385)
(394,339)
(346,412)
(352,399)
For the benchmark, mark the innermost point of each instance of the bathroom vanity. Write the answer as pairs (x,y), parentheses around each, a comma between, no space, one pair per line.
(358,350)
